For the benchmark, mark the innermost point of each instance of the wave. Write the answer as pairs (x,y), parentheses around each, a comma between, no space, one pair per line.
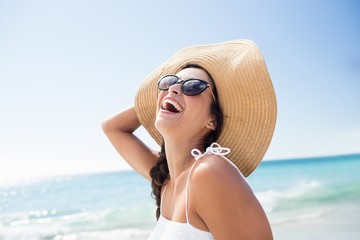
(307,200)
(310,193)
(124,234)
(120,223)
(58,232)
(272,200)
(296,217)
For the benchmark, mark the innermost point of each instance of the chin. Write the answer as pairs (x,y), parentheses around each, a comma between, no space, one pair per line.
(166,125)
(161,124)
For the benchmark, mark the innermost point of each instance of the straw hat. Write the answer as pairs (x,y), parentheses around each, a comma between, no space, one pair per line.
(245,94)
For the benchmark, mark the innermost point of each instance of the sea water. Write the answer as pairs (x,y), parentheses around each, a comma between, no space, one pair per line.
(314,198)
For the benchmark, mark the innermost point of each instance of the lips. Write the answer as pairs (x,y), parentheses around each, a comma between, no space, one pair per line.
(171,106)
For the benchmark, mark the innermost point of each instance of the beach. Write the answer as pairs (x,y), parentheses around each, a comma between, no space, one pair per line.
(312,198)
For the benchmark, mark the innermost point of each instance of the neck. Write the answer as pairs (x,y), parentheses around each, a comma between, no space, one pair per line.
(178,154)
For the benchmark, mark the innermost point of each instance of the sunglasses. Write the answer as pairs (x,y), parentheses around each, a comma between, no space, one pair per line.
(189,87)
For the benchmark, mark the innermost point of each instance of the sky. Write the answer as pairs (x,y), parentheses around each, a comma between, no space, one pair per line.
(65,66)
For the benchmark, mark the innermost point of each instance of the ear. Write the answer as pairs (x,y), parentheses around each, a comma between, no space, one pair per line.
(211,124)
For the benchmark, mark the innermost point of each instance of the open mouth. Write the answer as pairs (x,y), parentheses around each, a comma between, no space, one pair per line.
(171,106)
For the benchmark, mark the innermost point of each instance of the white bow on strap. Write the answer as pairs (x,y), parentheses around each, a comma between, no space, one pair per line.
(214,148)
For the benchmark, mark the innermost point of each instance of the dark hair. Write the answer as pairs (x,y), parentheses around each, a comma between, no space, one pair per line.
(160,172)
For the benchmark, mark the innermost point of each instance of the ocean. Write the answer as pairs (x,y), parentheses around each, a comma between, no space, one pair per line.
(312,198)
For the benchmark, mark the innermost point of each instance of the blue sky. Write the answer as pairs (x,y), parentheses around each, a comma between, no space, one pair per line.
(67,65)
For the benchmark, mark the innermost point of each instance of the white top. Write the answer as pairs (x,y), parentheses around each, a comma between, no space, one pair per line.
(170,230)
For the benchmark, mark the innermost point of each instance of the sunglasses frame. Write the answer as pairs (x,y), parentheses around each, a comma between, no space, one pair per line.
(182,82)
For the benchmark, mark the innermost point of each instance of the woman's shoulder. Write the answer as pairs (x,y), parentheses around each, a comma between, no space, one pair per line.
(212,171)
(217,185)
(221,197)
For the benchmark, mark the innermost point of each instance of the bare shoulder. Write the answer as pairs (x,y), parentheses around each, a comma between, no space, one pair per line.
(221,197)
(212,171)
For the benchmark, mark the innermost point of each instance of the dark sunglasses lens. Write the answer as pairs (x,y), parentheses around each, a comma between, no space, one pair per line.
(194,87)
(167,82)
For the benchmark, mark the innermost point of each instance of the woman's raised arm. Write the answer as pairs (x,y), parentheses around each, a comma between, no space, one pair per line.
(119,128)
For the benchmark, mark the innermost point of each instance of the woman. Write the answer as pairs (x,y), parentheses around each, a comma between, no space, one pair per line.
(206,94)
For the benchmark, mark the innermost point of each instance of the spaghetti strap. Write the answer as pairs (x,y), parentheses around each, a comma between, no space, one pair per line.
(187,194)
(214,149)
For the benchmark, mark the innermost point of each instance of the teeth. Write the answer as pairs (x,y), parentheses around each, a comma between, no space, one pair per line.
(175,104)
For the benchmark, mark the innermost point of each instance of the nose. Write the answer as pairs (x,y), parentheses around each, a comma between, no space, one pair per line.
(176,88)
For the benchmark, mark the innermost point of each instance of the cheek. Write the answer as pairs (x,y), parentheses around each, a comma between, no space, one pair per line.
(199,110)
(161,95)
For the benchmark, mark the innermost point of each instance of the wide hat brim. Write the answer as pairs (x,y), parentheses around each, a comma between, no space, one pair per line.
(245,94)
